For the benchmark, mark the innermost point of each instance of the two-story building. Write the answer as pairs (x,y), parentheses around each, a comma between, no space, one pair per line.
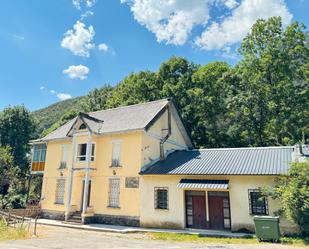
(135,165)
(92,163)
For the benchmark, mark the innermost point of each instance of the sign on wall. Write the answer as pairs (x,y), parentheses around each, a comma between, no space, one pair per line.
(132,182)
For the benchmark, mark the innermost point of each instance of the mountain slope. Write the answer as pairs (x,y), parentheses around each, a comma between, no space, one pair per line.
(47,116)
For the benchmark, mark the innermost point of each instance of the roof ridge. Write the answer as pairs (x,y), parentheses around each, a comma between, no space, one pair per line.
(125,106)
(247,148)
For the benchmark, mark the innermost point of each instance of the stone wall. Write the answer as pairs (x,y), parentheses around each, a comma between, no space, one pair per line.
(114,220)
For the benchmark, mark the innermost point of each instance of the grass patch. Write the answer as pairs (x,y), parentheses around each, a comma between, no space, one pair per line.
(214,240)
(11,233)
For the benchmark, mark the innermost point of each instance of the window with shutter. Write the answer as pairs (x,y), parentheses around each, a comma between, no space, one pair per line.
(60,189)
(114,191)
(64,156)
(116,154)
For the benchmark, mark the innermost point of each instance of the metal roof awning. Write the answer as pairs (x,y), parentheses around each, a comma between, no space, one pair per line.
(203,184)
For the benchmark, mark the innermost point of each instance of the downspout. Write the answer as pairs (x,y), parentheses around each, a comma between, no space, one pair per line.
(169,131)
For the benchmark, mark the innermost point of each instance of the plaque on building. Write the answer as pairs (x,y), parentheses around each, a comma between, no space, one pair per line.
(132,182)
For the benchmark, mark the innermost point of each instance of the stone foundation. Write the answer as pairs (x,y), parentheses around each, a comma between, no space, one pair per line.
(53,215)
(114,220)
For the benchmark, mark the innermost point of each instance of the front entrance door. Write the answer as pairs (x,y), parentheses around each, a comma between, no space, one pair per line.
(196,209)
(219,210)
(89,192)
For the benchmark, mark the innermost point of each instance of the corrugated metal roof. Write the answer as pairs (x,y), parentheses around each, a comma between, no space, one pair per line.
(203,184)
(233,161)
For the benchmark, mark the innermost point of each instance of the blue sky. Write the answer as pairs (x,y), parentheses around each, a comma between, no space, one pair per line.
(50,52)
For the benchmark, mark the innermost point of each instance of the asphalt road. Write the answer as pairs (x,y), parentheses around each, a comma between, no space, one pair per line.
(67,238)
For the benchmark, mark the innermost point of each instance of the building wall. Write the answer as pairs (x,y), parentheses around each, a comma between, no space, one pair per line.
(175,217)
(151,140)
(130,159)
(137,149)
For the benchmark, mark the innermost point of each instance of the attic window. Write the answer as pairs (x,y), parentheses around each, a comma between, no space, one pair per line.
(82,127)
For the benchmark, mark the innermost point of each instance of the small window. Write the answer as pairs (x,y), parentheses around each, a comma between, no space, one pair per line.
(82,127)
(60,189)
(82,151)
(116,154)
(257,203)
(161,198)
(114,191)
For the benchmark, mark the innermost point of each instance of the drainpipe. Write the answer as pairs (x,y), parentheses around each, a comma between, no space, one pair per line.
(169,131)
(87,175)
(70,180)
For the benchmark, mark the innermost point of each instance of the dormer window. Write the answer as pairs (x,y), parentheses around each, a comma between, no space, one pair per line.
(82,127)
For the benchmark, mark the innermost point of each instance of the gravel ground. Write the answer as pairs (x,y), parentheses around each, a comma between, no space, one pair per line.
(67,238)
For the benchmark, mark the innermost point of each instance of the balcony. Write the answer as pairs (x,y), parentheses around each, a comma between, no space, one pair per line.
(38,158)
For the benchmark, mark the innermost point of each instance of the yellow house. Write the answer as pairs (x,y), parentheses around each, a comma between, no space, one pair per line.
(136,165)
(92,164)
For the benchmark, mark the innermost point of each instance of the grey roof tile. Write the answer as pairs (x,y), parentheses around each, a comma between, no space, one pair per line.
(126,118)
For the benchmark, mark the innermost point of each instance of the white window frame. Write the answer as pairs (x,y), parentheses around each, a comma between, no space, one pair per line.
(116,154)
(113,201)
(60,200)
(78,156)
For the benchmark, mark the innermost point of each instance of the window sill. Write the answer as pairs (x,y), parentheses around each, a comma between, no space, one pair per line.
(113,207)
(115,167)
(162,209)
(56,203)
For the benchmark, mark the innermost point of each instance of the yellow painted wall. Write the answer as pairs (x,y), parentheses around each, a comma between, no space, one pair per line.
(151,143)
(130,161)
(137,149)
(175,215)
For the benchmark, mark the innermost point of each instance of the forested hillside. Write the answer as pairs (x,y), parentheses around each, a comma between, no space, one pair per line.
(47,116)
(261,101)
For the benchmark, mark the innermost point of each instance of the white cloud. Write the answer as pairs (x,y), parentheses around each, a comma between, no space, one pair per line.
(171,21)
(52,91)
(236,26)
(79,40)
(86,14)
(79,4)
(77,72)
(42,88)
(103,47)
(63,96)
(230,4)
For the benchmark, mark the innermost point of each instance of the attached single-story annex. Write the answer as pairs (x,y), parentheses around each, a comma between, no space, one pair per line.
(214,188)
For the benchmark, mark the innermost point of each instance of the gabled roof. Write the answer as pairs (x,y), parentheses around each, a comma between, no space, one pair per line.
(233,161)
(122,119)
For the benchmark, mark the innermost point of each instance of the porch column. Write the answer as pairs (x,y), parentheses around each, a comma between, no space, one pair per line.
(87,172)
(70,180)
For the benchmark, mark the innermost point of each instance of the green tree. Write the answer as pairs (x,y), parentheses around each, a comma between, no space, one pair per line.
(97,99)
(293,192)
(273,92)
(136,88)
(209,95)
(10,185)
(16,129)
